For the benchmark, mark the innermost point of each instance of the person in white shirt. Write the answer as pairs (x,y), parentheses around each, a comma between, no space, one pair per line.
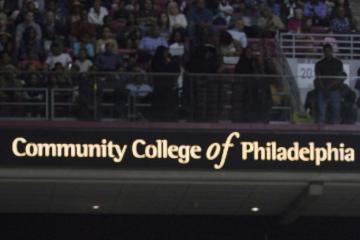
(238,33)
(176,18)
(229,49)
(57,57)
(83,62)
(177,43)
(97,13)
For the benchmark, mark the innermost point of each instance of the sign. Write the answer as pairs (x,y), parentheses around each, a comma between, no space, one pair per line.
(178,149)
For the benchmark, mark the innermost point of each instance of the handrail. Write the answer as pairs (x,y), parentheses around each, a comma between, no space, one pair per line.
(296,45)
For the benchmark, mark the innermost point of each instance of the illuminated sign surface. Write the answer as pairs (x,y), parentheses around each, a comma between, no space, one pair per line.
(177,149)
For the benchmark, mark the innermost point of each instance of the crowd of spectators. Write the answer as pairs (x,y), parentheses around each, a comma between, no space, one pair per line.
(172,36)
(123,35)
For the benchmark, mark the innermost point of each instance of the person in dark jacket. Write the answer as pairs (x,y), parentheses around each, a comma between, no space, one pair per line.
(165,96)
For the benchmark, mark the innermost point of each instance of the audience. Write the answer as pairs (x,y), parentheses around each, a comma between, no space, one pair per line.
(143,26)
(155,35)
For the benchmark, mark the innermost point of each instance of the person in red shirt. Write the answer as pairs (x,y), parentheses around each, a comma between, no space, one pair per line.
(296,23)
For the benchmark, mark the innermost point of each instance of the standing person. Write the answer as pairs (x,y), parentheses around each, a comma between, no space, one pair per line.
(328,73)
(165,96)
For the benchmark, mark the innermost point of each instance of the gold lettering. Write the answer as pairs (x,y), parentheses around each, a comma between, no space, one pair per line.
(134,148)
(246,148)
(15,147)
(213,151)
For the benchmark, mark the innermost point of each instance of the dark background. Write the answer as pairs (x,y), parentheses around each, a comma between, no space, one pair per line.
(111,227)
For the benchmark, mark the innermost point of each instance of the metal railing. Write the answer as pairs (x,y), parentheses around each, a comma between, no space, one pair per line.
(24,103)
(309,45)
(147,97)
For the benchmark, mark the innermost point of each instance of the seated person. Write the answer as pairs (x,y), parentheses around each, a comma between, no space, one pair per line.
(199,17)
(229,49)
(176,18)
(108,60)
(57,56)
(340,23)
(150,43)
(107,37)
(97,13)
(296,23)
(83,62)
(238,33)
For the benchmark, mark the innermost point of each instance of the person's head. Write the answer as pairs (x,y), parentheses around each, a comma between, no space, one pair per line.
(299,13)
(5,38)
(328,51)
(50,17)
(201,4)
(76,8)
(340,12)
(85,38)
(51,5)
(82,54)
(56,49)
(83,14)
(33,79)
(29,17)
(131,19)
(58,67)
(30,6)
(267,13)
(5,59)
(163,20)
(148,5)
(248,53)
(239,24)
(97,5)
(307,25)
(109,47)
(173,9)
(177,36)
(3,19)
(154,31)
(225,38)
(106,33)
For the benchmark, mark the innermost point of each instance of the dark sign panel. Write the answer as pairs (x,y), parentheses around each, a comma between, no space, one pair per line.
(211,150)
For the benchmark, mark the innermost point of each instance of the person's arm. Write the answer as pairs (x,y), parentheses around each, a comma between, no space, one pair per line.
(278,23)
(183,21)
(68,60)
(142,44)
(47,64)
(91,17)
(99,43)
(243,40)
(38,32)
(18,35)
(115,44)
(318,79)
